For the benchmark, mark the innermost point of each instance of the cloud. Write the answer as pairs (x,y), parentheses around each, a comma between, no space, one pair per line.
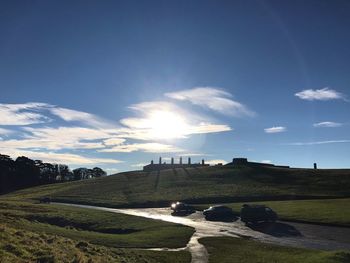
(153,122)
(192,154)
(327,124)
(275,129)
(216,161)
(159,120)
(5,131)
(80,116)
(151,147)
(318,142)
(113,141)
(66,158)
(266,161)
(320,94)
(212,98)
(22,114)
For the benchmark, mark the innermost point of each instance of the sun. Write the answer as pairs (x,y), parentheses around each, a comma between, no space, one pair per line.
(167,125)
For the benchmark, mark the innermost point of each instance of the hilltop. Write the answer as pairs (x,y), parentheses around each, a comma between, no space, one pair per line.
(198,185)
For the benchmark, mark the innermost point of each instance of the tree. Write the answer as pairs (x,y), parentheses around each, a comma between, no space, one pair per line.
(80,173)
(98,172)
(27,173)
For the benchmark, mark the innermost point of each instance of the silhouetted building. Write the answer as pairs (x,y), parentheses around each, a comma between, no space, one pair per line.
(315,165)
(239,161)
(245,162)
(172,165)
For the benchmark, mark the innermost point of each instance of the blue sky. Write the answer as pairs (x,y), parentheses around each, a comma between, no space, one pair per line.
(117,83)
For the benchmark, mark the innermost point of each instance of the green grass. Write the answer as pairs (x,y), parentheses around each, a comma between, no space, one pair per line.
(97,227)
(231,250)
(18,245)
(197,185)
(327,211)
(30,232)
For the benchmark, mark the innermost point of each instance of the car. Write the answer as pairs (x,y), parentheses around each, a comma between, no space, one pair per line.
(45,200)
(181,208)
(218,212)
(257,213)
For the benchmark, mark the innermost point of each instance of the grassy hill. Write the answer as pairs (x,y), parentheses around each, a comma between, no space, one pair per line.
(49,233)
(32,232)
(197,185)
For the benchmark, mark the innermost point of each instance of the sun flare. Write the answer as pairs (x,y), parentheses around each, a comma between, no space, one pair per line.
(167,125)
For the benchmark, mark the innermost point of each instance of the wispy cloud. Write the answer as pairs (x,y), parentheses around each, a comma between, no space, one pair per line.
(266,161)
(151,147)
(320,94)
(191,154)
(160,119)
(318,142)
(80,116)
(275,129)
(46,130)
(327,124)
(66,158)
(22,114)
(113,141)
(5,131)
(214,99)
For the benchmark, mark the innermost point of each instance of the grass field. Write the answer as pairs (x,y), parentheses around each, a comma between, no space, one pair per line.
(52,233)
(329,211)
(326,211)
(63,234)
(197,185)
(232,250)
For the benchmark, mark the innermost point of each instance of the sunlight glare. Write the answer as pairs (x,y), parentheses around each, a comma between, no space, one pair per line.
(167,125)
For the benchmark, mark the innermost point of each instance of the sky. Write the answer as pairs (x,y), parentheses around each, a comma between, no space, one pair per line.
(117,84)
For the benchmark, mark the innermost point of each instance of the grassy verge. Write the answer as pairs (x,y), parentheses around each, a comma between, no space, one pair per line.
(197,185)
(30,232)
(98,227)
(327,211)
(231,250)
(18,245)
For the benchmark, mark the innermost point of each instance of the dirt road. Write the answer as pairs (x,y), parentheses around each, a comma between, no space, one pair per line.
(281,233)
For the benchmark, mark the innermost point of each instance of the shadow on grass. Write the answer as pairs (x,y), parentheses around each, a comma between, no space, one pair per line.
(277,229)
(63,222)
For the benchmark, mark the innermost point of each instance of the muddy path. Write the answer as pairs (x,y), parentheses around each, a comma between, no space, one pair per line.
(281,233)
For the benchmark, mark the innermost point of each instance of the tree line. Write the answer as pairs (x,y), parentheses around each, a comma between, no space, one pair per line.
(24,172)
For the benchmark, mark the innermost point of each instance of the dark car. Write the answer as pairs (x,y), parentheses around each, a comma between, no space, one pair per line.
(45,200)
(257,213)
(181,208)
(218,212)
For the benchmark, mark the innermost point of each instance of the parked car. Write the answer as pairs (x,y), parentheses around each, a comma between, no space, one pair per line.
(257,213)
(45,200)
(181,208)
(218,212)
